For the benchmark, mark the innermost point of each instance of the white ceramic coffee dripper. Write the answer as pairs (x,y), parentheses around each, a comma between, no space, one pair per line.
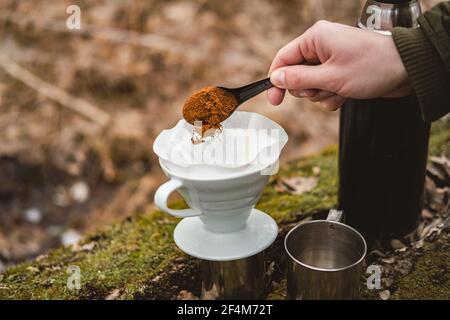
(222,223)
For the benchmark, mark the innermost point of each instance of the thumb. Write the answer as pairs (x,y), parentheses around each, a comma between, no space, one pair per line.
(302,77)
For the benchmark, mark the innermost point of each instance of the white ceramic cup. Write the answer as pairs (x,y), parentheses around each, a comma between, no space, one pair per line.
(222,204)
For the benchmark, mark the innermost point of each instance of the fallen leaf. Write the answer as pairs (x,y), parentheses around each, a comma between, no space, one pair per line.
(431,228)
(439,170)
(443,161)
(33,269)
(397,244)
(186,295)
(446,224)
(427,214)
(377,253)
(296,185)
(388,260)
(270,269)
(41,257)
(113,295)
(418,244)
(385,295)
(86,247)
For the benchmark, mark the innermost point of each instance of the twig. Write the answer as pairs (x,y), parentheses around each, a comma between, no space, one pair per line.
(78,105)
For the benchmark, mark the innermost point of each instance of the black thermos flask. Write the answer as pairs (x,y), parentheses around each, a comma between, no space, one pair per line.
(383,145)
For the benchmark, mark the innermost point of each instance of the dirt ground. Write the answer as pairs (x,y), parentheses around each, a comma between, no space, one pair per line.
(66,171)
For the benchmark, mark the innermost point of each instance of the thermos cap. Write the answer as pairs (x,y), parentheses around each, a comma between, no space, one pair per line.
(383,15)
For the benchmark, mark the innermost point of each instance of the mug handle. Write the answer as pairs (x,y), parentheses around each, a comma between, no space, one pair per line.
(163,193)
(335,215)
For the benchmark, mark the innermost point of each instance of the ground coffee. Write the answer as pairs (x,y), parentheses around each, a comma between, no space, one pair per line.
(211,106)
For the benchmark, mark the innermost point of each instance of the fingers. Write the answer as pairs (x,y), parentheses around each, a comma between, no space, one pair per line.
(275,95)
(304,93)
(290,70)
(303,77)
(311,94)
(328,101)
(332,103)
(290,54)
(302,49)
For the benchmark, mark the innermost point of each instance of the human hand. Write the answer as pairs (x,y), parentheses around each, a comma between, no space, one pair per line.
(331,62)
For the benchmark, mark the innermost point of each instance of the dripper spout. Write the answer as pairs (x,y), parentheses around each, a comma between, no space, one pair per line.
(225,222)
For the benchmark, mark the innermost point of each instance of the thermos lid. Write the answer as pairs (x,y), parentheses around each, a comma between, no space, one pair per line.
(384,15)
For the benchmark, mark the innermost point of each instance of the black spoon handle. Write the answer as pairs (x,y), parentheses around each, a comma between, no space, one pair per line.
(244,93)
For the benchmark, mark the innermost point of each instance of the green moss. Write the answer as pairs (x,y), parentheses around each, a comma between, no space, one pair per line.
(430,278)
(126,257)
(440,138)
(279,292)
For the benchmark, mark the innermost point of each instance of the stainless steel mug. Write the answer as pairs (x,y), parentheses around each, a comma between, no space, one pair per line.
(236,279)
(324,259)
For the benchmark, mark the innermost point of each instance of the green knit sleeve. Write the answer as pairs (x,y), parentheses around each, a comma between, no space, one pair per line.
(425,52)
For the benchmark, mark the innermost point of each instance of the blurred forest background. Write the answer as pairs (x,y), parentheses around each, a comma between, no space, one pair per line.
(79,109)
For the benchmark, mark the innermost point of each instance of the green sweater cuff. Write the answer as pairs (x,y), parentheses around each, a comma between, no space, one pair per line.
(426,71)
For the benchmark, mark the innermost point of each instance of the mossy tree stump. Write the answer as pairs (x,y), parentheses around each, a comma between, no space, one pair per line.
(137,259)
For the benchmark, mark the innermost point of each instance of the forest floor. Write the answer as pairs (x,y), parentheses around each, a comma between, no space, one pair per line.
(79,110)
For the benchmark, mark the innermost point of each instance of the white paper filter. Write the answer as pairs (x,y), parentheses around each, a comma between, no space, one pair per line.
(248,141)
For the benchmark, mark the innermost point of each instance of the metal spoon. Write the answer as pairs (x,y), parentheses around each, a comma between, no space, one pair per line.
(248,91)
